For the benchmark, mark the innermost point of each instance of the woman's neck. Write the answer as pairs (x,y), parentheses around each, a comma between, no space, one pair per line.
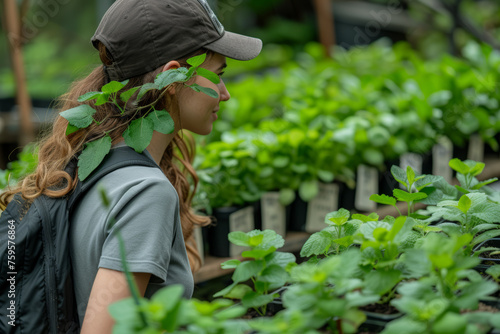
(159,144)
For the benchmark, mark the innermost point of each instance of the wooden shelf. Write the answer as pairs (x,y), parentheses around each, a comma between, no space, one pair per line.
(295,240)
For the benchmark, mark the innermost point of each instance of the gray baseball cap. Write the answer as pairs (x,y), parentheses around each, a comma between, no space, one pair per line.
(142,35)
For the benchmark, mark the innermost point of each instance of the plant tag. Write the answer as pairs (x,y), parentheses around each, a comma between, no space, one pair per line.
(442,153)
(273,213)
(325,202)
(476,148)
(198,238)
(241,220)
(366,185)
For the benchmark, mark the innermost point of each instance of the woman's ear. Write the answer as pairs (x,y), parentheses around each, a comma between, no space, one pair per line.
(173,64)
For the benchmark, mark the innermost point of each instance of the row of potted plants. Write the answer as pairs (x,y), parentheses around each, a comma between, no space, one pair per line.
(422,267)
(315,119)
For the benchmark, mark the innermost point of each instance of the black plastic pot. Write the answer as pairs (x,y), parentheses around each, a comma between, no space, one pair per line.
(226,222)
(485,261)
(297,215)
(376,322)
(387,183)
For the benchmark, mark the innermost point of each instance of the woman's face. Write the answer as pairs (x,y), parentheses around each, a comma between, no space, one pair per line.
(197,110)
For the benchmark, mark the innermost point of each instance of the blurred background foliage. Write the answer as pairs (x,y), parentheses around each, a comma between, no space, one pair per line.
(57,47)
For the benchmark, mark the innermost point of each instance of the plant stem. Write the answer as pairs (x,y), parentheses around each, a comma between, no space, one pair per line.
(339,325)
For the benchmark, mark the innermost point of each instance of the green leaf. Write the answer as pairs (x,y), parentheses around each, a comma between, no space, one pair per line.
(92,156)
(326,176)
(208,75)
(146,88)
(139,133)
(338,218)
(383,199)
(101,99)
(410,175)
(113,86)
(308,190)
(230,313)
(253,299)
(371,217)
(317,244)
(126,95)
(287,196)
(464,204)
(80,116)
(281,161)
(209,91)
(484,183)
(458,166)
(162,121)
(88,96)
(494,271)
(197,60)
(238,292)
(246,270)
(230,264)
(399,175)
(239,238)
(258,253)
(70,129)
(168,77)
(169,296)
(382,281)
(405,196)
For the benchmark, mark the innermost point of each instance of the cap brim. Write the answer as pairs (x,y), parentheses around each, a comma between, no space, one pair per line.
(236,46)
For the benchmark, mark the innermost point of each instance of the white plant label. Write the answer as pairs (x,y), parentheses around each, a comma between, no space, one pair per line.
(442,153)
(476,148)
(273,213)
(414,160)
(241,220)
(325,202)
(366,185)
(198,238)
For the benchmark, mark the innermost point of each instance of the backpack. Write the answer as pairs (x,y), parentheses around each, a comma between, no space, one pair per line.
(36,287)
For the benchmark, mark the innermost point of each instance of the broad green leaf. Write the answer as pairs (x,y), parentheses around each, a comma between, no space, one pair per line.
(281,161)
(208,91)
(168,77)
(399,175)
(485,236)
(476,168)
(281,259)
(126,95)
(70,129)
(162,121)
(287,196)
(103,98)
(383,199)
(126,310)
(427,180)
(92,156)
(146,88)
(405,196)
(253,299)
(275,275)
(345,241)
(197,60)
(169,296)
(113,86)
(208,75)
(139,133)
(396,227)
(230,313)
(230,264)
(484,183)
(318,243)
(246,270)
(226,290)
(239,238)
(450,323)
(258,253)
(88,96)
(338,218)
(382,281)
(464,203)
(458,166)
(326,176)
(308,190)
(371,217)
(494,271)
(80,116)
(410,174)
(238,292)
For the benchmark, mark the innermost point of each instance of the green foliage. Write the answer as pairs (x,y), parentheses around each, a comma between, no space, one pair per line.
(139,132)
(16,170)
(268,270)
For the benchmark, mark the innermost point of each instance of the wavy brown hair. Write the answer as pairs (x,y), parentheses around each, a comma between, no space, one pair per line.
(56,149)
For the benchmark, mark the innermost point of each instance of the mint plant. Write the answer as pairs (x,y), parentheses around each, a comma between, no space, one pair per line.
(466,174)
(338,236)
(268,270)
(139,132)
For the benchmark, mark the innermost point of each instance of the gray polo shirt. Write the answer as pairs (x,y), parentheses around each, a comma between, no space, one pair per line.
(146,208)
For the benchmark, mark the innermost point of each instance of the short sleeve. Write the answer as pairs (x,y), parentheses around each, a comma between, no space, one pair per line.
(145,217)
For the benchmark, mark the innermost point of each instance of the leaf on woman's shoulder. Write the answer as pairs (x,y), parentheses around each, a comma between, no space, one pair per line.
(92,156)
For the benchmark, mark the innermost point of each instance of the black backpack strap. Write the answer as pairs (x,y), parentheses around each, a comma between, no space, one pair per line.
(116,158)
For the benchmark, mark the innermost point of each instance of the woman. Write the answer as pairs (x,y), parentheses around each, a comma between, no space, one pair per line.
(137,40)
